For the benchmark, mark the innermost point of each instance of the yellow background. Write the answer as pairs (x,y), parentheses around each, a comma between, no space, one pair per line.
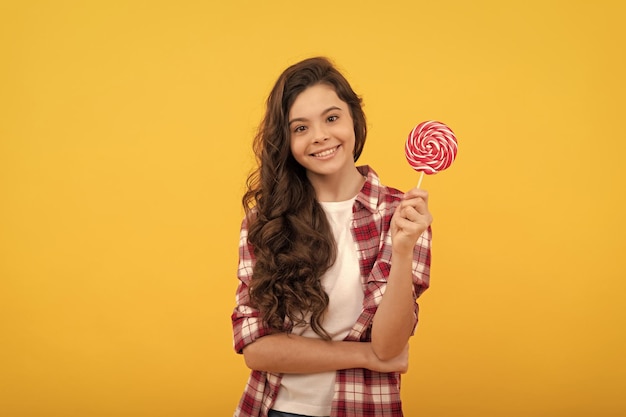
(125,131)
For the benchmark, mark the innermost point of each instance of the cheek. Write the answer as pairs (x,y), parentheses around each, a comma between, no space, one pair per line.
(293,144)
(297,148)
(348,129)
(349,134)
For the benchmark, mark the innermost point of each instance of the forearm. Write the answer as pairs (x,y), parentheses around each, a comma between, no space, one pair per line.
(287,353)
(395,317)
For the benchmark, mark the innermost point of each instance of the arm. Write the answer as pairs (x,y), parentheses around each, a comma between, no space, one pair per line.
(287,353)
(395,318)
(281,353)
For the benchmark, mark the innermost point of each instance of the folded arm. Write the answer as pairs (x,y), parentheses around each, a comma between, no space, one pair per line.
(288,353)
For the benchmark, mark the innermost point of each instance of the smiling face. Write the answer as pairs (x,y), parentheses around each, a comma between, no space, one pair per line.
(322,133)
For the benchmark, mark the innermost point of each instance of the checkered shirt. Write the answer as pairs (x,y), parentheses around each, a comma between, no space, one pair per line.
(358,392)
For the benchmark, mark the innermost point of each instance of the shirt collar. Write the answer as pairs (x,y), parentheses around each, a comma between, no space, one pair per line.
(370,192)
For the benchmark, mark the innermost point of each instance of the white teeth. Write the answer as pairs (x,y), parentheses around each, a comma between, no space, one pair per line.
(325,153)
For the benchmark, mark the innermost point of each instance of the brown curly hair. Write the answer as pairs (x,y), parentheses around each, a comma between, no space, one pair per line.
(292,240)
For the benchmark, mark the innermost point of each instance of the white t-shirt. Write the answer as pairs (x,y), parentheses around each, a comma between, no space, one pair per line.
(312,394)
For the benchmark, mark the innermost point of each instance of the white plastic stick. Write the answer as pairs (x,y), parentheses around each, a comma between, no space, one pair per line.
(420,180)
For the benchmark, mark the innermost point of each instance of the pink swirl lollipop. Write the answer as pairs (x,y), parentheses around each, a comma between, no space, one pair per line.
(431,147)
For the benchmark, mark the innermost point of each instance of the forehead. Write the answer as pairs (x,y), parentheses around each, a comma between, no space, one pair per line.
(314,100)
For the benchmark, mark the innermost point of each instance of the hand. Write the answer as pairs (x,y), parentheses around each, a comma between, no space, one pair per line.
(398,364)
(410,220)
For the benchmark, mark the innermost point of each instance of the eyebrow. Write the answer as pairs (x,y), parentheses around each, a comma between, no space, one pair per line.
(303,119)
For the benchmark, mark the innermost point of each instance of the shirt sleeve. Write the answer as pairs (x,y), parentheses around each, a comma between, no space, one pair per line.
(246,320)
(421,263)
(377,279)
(421,269)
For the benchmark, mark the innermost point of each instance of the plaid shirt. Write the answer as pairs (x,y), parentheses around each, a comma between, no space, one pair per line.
(358,392)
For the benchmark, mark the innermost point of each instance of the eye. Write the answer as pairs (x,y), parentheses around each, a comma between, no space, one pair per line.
(332,118)
(299,129)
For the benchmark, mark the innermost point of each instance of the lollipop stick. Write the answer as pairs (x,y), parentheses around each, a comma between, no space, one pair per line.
(420,180)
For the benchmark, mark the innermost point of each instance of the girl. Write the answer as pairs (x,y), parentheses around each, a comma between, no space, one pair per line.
(331,261)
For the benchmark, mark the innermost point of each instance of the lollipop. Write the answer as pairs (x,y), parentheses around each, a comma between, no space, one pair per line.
(431,147)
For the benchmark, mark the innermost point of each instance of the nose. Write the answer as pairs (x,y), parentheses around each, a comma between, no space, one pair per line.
(320,133)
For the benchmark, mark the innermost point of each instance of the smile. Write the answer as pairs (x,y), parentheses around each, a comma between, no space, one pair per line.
(327,152)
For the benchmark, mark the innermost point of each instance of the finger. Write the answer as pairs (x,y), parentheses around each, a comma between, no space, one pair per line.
(417,204)
(413,196)
(411,228)
(410,213)
(414,216)
(416,193)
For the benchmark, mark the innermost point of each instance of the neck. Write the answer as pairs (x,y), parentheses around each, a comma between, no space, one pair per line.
(339,187)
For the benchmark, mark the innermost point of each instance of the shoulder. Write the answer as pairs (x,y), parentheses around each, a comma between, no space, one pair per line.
(376,196)
(391,194)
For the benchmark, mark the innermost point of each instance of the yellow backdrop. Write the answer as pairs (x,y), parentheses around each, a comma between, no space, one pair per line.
(125,131)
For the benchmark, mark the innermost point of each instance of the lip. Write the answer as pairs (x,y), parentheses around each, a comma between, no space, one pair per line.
(325,153)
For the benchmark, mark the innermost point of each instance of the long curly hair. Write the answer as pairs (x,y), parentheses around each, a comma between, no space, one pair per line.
(292,240)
